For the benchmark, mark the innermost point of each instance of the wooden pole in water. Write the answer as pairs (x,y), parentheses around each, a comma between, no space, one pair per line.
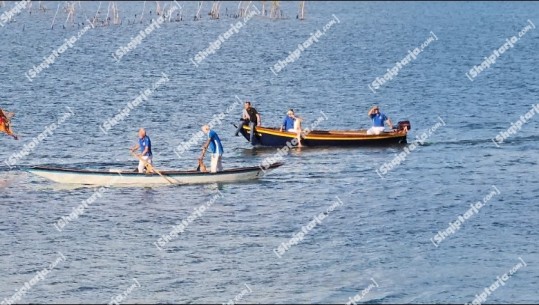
(53,19)
(164,11)
(96,13)
(301,10)
(181,18)
(158,8)
(68,14)
(74,10)
(247,8)
(239,9)
(169,13)
(115,13)
(197,16)
(108,11)
(118,19)
(215,10)
(274,9)
(143,8)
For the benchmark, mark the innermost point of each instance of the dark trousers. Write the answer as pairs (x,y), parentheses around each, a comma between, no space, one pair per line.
(252,132)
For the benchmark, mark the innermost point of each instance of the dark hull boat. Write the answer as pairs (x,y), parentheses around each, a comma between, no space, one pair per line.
(337,138)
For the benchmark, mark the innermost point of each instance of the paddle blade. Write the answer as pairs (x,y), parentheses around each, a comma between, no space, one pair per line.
(201,167)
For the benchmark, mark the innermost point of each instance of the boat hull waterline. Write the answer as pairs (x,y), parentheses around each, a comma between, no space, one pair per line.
(114,178)
(337,138)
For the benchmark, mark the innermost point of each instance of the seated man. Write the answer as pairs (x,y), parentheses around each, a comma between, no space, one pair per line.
(292,123)
(249,116)
(5,127)
(378,120)
(288,122)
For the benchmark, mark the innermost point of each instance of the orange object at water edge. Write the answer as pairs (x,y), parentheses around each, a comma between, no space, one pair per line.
(6,129)
(4,125)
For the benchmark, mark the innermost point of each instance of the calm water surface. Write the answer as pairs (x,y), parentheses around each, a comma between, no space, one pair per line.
(383,229)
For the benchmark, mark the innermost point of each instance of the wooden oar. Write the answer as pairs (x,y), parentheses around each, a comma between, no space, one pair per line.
(150,167)
(201,167)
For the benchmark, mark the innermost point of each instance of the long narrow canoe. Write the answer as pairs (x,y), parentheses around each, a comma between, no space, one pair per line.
(118,177)
(338,138)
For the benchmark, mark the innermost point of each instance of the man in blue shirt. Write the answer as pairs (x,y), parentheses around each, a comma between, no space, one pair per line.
(145,146)
(288,122)
(378,120)
(292,123)
(213,144)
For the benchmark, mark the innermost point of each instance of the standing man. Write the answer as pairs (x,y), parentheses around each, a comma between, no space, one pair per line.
(145,146)
(215,147)
(249,116)
(378,120)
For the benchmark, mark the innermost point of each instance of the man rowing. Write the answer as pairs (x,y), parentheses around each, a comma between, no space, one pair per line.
(5,118)
(378,121)
(145,146)
(215,147)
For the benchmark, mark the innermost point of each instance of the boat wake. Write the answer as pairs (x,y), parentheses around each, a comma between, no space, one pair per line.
(472,142)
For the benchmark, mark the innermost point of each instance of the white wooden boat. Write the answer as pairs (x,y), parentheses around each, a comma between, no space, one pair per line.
(119,177)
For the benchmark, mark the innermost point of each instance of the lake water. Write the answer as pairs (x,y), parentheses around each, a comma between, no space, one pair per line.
(383,232)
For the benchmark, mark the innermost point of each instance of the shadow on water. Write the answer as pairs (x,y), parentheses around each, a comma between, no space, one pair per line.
(263,150)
